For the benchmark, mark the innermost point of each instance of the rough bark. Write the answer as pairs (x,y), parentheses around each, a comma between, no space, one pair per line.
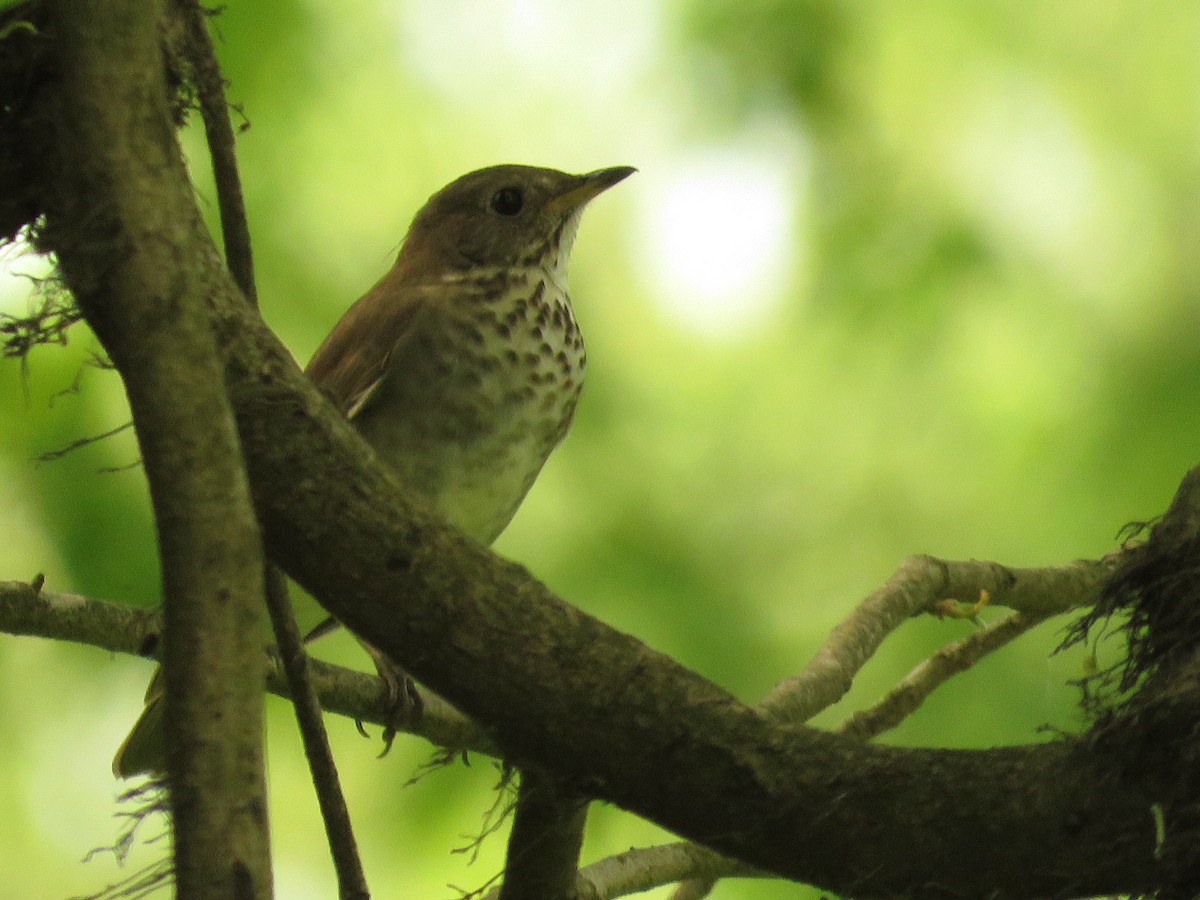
(121,217)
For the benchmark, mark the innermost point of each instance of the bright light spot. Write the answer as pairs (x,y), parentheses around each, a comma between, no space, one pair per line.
(1029,171)
(1024,164)
(580,51)
(18,266)
(718,238)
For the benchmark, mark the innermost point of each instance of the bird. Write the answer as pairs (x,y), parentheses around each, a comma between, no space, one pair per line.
(461,367)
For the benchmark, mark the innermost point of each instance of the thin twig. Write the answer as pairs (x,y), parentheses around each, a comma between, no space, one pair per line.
(352,882)
(34,611)
(932,673)
(646,868)
(919,583)
(218,129)
(53,455)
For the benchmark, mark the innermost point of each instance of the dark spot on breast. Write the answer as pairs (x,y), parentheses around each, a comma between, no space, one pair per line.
(520,395)
(466,330)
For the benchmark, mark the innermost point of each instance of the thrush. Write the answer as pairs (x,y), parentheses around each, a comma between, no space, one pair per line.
(463,365)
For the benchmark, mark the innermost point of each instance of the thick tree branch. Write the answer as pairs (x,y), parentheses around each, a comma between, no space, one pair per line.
(120,206)
(631,726)
(21,612)
(547,835)
(820,680)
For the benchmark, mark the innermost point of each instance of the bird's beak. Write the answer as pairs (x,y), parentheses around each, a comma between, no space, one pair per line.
(588,187)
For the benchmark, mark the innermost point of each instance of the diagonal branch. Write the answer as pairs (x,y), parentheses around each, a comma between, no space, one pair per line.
(631,726)
(222,149)
(915,587)
(932,673)
(870,620)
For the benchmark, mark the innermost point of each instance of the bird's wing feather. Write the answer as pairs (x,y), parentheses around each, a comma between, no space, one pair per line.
(352,361)
(369,342)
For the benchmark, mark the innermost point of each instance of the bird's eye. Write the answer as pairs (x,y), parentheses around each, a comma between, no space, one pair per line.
(507,201)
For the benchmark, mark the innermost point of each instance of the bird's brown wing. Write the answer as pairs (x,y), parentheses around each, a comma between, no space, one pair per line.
(352,360)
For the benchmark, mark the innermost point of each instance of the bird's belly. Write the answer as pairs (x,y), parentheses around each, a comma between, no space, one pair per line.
(480,492)
(491,410)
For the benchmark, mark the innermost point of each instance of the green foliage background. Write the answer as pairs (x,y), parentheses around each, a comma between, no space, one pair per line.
(978,338)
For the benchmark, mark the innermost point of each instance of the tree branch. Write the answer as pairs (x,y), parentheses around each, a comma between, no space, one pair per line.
(116,221)
(222,148)
(915,587)
(218,129)
(932,673)
(546,837)
(35,611)
(646,867)
(629,725)
(352,880)
(642,870)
